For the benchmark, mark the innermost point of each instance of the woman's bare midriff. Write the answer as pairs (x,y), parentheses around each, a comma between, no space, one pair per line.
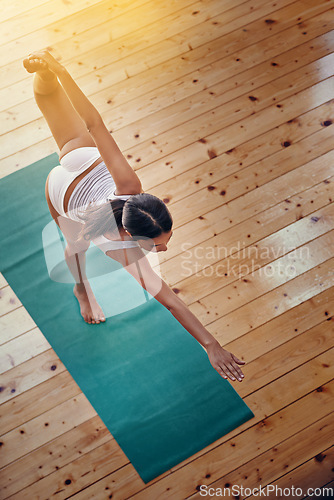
(76,181)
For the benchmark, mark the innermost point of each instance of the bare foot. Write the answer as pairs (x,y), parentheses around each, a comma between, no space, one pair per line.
(89,308)
(34,65)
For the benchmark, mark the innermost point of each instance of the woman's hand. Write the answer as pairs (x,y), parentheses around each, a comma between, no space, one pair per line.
(44,56)
(224,362)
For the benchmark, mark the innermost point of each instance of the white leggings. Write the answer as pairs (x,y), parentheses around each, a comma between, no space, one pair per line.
(71,166)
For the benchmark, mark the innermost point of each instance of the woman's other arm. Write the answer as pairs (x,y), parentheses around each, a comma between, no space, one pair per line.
(224,362)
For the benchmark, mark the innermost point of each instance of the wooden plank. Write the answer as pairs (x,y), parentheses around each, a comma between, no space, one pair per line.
(267,337)
(275,274)
(255,162)
(3,282)
(282,359)
(27,375)
(96,463)
(244,181)
(273,304)
(282,457)
(32,154)
(209,225)
(224,23)
(257,200)
(50,393)
(328,489)
(13,324)
(194,65)
(55,13)
(203,271)
(12,9)
(78,28)
(23,348)
(220,94)
(8,300)
(54,455)
(45,427)
(232,133)
(313,473)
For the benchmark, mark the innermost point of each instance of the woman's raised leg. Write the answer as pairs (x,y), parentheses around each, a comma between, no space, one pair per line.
(67,128)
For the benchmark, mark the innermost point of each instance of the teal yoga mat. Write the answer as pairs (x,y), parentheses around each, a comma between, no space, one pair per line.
(148,379)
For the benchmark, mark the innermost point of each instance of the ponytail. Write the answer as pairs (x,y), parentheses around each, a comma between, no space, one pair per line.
(102,218)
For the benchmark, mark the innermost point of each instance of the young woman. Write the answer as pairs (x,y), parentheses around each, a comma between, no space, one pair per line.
(94,176)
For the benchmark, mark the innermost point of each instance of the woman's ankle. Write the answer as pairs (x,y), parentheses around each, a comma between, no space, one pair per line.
(83,286)
(45,82)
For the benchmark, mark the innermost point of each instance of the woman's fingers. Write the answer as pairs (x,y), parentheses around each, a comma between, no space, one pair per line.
(221,372)
(225,372)
(239,361)
(232,372)
(237,372)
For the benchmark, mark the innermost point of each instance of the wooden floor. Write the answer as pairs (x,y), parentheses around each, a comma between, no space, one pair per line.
(225,109)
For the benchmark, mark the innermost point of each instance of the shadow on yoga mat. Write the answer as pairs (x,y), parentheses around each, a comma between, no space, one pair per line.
(148,379)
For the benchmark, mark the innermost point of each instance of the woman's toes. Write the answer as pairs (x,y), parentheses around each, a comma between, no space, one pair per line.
(33,65)
(27,65)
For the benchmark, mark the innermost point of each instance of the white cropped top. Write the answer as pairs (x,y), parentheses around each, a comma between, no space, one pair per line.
(95,188)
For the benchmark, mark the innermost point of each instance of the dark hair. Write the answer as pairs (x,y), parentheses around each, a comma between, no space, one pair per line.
(142,215)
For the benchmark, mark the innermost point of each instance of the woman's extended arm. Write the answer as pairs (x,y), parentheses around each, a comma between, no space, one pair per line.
(223,361)
(126,180)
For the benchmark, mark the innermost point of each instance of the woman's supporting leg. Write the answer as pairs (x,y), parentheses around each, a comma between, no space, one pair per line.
(89,308)
(75,256)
